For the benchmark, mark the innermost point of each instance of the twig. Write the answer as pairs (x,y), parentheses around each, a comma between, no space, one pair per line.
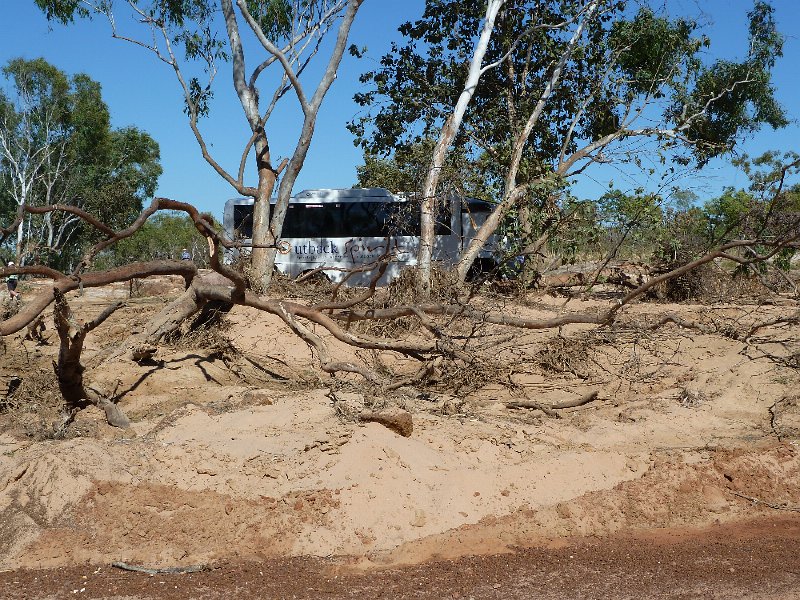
(783,506)
(165,571)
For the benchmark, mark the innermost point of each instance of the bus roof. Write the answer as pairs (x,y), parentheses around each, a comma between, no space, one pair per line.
(354,194)
(325,195)
(328,195)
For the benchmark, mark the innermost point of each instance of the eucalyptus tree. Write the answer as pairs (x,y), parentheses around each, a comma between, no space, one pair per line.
(577,82)
(446,137)
(57,147)
(33,133)
(280,38)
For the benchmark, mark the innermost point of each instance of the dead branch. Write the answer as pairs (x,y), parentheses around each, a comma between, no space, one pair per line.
(159,571)
(444,342)
(35,331)
(334,317)
(534,405)
(381,263)
(65,284)
(398,420)
(69,370)
(680,322)
(550,410)
(792,320)
(585,399)
(772,505)
(600,317)
(316,342)
(141,344)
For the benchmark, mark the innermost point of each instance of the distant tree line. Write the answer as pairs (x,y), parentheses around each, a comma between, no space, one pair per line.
(57,146)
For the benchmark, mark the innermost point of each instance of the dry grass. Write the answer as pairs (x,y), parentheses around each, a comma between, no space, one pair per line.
(35,405)
(402,291)
(691,398)
(565,355)
(9,308)
(714,283)
(465,377)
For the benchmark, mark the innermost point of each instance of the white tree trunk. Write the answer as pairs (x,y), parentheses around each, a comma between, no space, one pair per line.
(449,131)
(512,190)
(268,223)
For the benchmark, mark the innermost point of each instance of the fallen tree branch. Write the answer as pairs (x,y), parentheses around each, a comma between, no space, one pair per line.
(679,321)
(534,405)
(64,284)
(600,317)
(585,399)
(316,342)
(160,571)
(791,320)
(334,317)
(550,410)
(381,263)
(771,505)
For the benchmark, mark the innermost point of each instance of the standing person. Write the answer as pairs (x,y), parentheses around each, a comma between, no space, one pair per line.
(185,255)
(11,282)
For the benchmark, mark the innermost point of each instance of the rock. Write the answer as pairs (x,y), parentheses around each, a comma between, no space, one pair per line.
(419,518)
(715,499)
(563,511)
(206,469)
(396,419)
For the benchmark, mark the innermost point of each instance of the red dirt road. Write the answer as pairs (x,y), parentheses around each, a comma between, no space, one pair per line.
(757,560)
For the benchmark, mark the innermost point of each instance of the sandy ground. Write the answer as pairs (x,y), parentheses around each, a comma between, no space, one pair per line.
(254,458)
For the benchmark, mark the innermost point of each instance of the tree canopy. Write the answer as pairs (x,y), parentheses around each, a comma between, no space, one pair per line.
(632,66)
(57,146)
(565,84)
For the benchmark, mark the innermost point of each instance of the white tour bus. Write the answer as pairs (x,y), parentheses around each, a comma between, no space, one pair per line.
(339,230)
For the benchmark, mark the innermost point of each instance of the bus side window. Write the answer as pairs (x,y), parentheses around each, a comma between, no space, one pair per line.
(362,219)
(292,223)
(444,217)
(402,218)
(243,220)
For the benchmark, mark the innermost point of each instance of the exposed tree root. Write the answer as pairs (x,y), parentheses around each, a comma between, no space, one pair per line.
(69,370)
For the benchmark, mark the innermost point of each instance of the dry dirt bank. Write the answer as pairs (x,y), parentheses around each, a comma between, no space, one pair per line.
(691,428)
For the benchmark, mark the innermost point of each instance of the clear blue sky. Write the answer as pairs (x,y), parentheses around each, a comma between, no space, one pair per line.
(141,91)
